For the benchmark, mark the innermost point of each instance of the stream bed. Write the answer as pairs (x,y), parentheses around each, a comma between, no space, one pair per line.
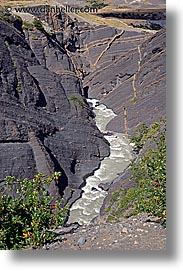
(85,209)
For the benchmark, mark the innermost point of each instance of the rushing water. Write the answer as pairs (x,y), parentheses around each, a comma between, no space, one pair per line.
(88,206)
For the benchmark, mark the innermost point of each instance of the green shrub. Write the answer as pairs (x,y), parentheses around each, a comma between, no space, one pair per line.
(149,174)
(121,204)
(27,26)
(143,133)
(4,16)
(27,212)
(19,87)
(78,101)
(133,100)
(98,4)
(38,24)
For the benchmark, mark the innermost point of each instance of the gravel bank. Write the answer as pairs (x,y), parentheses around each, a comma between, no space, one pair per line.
(135,233)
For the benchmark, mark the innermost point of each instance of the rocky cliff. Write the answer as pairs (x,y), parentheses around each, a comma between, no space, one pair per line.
(45,123)
(130,78)
(126,71)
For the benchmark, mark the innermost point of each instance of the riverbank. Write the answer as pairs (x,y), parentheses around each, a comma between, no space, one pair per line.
(53,73)
(136,233)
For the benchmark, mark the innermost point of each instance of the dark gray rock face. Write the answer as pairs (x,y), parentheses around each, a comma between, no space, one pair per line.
(139,3)
(129,76)
(135,80)
(147,14)
(42,129)
(17,159)
(46,124)
(49,51)
(147,25)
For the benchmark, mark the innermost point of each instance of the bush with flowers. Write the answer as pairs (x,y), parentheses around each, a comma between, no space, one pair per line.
(27,212)
(149,174)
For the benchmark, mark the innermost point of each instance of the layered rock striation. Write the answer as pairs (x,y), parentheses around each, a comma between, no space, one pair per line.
(134,84)
(126,71)
(45,122)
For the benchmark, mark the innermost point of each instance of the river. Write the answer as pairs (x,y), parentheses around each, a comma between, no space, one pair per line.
(85,209)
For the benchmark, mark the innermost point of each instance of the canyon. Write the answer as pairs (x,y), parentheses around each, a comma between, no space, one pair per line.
(47,79)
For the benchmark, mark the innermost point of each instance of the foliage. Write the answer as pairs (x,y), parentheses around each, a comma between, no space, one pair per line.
(19,87)
(77,100)
(98,4)
(121,204)
(143,133)
(133,100)
(4,16)
(149,174)
(27,26)
(38,24)
(27,212)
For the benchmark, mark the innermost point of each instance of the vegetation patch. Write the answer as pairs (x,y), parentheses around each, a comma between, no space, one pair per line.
(27,26)
(121,204)
(143,133)
(28,213)
(78,101)
(97,4)
(149,174)
(21,2)
(4,15)
(38,24)
(19,87)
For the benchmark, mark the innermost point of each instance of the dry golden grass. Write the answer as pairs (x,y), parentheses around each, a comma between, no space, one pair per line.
(112,8)
(127,9)
(22,3)
(112,22)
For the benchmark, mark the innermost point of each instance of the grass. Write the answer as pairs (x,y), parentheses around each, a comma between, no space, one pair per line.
(78,101)
(121,204)
(103,21)
(111,22)
(38,24)
(22,3)
(27,26)
(19,87)
(133,100)
(149,176)
(3,16)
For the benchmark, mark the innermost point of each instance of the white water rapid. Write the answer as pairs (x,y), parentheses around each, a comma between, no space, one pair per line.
(88,206)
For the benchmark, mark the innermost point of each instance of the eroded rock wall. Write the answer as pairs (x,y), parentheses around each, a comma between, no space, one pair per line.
(45,123)
(130,75)
(43,79)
